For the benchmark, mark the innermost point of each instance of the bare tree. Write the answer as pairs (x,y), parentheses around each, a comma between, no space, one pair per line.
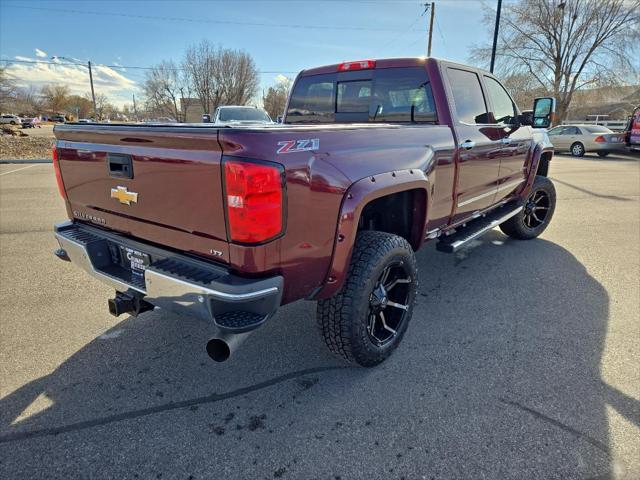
(55,98)
(8,89)
(199,63)
(275,99)
(103,108)
(524,89)
(220,76)
(236,76)
(566,45)
(168,90)
(81,107)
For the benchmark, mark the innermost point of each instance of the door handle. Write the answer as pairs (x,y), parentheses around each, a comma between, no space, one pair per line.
(120,166)
(468,144)
(505,140)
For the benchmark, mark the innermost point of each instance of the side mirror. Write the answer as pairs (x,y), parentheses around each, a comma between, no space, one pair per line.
(206,118)
(279,119)
(543,110)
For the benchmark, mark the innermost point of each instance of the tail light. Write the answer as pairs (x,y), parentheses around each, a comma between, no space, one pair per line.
(599,139)
(359,65)
(56,169)
(255,197)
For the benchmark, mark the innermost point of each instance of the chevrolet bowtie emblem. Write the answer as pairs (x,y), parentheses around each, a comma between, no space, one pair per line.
(124,196)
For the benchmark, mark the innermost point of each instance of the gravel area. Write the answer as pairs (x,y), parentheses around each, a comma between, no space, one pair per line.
(30,147)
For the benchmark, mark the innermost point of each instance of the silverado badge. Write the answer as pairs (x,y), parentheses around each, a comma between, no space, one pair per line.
(124,196)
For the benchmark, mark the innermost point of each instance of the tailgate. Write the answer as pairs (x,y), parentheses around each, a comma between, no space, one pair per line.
(158,183)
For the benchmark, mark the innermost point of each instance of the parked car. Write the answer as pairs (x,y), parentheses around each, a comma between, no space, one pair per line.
(10,120)
(85,120)
(373,158)
(27,122)
(160,120)
(579,139)
(632,131)
(240,114)
(58,119)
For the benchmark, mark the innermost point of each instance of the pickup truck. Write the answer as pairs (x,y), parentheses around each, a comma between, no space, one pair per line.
(373,159)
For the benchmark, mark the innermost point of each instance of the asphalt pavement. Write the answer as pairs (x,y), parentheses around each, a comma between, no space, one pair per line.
(521,361)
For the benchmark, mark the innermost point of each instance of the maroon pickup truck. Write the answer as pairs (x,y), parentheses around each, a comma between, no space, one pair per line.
(373,159)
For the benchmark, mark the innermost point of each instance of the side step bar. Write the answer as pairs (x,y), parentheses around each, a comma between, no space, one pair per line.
(475,228)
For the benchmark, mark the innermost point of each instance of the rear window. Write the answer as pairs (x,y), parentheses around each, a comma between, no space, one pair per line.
(597,129)
(384,95)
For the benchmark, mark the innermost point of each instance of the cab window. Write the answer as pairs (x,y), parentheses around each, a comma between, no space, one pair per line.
(504,110)
(467,96)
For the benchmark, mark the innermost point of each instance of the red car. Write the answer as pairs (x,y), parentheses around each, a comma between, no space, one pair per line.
(632,132)
(373,159)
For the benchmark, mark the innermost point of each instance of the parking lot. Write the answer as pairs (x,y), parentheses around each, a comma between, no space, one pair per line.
(521,361)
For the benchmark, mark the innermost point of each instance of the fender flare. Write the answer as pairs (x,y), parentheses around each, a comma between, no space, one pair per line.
(540,150)
(355,199)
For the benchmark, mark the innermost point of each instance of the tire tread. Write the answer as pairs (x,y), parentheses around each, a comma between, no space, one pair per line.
(336,314)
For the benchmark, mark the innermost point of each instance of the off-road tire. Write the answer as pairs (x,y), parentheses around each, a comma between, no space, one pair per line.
(343,319)
(518,227)
(577,149)
(603,154)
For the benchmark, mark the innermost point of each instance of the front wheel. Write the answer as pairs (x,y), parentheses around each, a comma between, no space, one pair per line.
(366,320)
(536,214)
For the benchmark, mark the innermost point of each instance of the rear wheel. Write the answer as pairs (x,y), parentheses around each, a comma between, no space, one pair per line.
(536,214)
(366,320)
(577,149)
(603,154)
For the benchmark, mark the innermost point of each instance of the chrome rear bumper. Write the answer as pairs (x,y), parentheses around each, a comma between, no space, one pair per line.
(173,281)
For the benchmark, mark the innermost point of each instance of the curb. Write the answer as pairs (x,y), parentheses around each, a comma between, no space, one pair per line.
(19,161)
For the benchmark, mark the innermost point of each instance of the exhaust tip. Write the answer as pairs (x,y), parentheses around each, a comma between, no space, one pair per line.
(218,350)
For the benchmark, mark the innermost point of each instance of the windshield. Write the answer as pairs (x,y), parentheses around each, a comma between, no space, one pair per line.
(243,115)
(597,129)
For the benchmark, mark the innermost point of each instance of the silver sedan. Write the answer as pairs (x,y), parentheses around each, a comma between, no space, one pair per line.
(579,139)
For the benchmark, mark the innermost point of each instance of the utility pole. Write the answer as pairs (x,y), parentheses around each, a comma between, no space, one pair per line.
(93,93)
(431,7)
(135,111)
(495,36)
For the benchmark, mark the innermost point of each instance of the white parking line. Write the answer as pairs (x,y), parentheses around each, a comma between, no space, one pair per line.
(18,169)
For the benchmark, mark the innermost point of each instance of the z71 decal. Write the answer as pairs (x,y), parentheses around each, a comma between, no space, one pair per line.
(294,146)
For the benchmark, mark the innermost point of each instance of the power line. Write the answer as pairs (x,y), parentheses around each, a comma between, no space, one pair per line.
(401,35)
(440,32)
(124,67)
(205,20)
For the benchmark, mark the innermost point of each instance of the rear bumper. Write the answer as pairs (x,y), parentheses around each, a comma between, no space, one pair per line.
(171,280)
(606,147)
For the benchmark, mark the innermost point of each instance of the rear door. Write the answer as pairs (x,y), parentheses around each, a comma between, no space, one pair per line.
(478,143)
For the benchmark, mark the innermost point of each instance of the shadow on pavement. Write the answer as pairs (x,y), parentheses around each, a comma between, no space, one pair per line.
(616,157)
(507,335)
(592,193)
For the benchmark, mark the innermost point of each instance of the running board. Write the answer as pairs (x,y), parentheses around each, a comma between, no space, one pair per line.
(454,242)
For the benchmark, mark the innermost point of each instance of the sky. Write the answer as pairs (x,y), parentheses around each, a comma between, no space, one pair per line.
(283,36)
